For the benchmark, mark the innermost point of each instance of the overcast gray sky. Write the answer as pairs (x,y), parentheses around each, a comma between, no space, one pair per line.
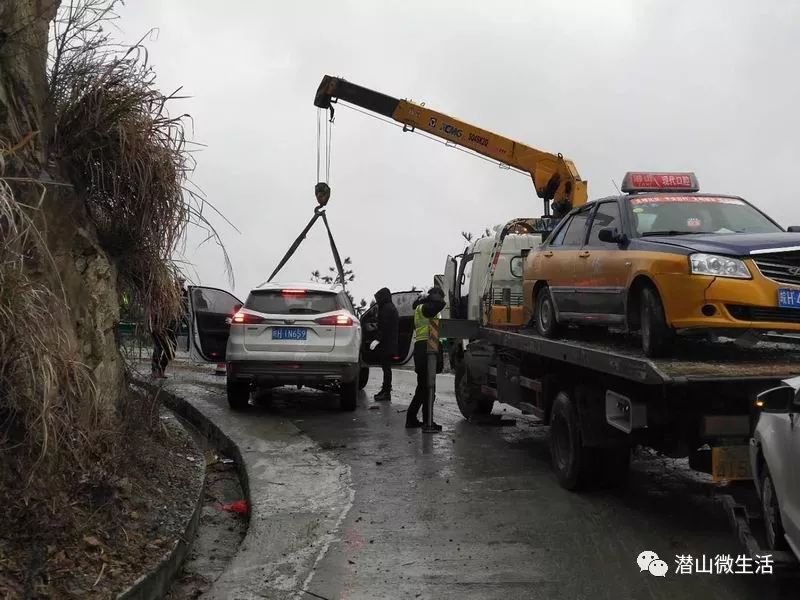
(617,85)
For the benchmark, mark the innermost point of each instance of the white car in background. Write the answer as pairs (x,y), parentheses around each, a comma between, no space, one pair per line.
(775,460)
(283,334)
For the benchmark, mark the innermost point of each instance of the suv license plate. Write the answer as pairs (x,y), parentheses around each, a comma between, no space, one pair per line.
(297,334)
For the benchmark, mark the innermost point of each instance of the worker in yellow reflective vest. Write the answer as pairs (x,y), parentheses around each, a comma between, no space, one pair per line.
(426,308)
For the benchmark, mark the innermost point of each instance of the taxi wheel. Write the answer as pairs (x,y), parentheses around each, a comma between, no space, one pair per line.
(545,314)
(657,336)
(771,512)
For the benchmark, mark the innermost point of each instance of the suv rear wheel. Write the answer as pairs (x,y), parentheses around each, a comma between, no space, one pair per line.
(238,394)
(348,395)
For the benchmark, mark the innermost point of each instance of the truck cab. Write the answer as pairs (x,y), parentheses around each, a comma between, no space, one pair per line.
(465,279)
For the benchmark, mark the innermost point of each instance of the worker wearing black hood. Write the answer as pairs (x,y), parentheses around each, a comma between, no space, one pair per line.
(388,325)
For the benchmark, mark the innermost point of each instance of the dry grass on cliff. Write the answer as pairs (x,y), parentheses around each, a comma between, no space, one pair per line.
(49,404)
(124,153)
(89,501)
(66,464)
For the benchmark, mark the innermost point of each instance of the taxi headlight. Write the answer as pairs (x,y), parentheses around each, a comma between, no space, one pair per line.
(718,266)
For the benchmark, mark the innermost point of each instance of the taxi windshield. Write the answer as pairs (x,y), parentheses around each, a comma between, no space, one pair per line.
(684,215)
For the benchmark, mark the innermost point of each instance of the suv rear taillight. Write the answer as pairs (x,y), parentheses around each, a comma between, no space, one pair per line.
(336,321)
(246,318)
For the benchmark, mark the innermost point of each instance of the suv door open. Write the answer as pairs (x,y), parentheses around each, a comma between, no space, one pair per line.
(403,301)
(210,311)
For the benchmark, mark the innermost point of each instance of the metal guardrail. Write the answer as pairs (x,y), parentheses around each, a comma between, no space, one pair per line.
(135,340)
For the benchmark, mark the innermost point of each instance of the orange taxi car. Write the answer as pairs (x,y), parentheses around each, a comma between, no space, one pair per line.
(664,259)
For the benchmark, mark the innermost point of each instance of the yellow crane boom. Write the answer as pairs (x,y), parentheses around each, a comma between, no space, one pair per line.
(555,178)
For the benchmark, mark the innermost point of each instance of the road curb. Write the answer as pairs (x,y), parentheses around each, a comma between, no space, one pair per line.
(156,583)
(207,429)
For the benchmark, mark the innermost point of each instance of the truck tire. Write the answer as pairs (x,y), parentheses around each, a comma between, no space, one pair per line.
(348,395)
(571,460)
(657,336)
(238,394)
(544,315)
(363,378)
(471,402)
(771,512)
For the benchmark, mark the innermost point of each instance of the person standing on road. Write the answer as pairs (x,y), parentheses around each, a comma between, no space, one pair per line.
(165,340)
(165,343)
(184,320)
(388,326)
(426,308)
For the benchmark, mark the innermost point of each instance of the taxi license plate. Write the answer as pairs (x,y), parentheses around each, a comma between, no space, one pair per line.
(730,463)
(788,298)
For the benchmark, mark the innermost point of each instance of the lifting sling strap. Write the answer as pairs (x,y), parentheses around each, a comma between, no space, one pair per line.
(319,211)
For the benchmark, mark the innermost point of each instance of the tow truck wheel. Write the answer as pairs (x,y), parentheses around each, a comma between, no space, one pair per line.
(657,335)
(238,394)
(363,377)
(772,512)
(471,402)
(545,314)
(571,460)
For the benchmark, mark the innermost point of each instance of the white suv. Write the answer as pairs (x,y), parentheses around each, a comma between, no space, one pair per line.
(283,334)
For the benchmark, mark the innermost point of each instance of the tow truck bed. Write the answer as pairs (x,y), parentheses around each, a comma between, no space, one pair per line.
(695,360)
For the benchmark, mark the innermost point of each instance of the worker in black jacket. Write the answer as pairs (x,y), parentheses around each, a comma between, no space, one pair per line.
(388,325)
(425,308)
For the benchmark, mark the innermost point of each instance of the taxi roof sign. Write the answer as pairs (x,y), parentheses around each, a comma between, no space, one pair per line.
(636,181)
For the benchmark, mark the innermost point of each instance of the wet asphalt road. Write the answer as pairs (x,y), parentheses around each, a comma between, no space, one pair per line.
(475,512)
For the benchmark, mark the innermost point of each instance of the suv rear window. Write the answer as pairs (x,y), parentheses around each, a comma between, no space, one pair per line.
(275,302)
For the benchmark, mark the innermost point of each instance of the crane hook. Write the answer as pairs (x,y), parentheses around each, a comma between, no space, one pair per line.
(323,193)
